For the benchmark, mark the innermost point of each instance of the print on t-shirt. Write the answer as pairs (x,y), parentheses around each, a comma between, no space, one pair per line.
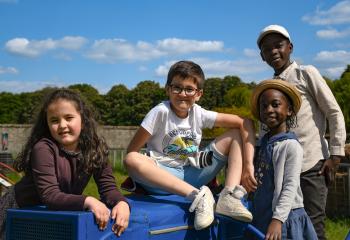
(180,144)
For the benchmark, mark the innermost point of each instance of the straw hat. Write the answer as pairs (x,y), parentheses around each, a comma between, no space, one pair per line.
(278,84)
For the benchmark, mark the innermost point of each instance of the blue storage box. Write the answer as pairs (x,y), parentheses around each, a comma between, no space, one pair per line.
(152,217)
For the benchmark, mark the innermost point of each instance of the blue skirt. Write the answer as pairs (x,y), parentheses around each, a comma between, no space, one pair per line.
(298,226)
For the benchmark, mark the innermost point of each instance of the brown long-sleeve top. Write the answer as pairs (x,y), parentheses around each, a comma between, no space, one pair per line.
(55,182)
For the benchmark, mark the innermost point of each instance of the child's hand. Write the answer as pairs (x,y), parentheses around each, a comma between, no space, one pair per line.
(274,231)
(120,213)
(248,180)
(99,209)
(329,168)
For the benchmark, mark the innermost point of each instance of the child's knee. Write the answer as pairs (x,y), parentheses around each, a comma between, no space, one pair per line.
(130,160)
(223,143)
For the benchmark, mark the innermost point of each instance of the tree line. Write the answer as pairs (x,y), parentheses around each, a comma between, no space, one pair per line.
(121,106)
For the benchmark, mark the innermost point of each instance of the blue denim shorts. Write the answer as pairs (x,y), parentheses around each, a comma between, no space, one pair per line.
(194,176)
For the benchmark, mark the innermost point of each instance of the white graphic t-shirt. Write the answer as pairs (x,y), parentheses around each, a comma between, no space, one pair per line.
(175,141)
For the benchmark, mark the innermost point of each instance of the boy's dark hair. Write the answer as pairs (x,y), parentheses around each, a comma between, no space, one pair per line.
(186,69)
(94,150)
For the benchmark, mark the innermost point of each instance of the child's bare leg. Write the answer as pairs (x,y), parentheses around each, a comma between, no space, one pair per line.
(229,203)
(146,170)
(230,144)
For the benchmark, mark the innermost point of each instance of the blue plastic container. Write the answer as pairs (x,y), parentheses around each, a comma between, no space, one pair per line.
(152,217)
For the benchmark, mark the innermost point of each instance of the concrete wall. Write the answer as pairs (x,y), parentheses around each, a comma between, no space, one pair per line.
(117,137)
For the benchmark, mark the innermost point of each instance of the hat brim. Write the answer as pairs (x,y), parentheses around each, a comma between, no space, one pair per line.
(262,35)
(278,84)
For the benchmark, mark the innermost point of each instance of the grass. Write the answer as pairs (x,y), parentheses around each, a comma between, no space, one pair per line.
(337,228)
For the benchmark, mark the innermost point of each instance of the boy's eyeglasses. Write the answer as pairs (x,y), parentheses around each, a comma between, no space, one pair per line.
(190,92)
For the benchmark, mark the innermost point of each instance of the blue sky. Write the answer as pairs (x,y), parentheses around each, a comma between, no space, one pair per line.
(105,43)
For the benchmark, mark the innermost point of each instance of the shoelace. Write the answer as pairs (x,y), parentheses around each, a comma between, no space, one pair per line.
(197,200)
(202,205)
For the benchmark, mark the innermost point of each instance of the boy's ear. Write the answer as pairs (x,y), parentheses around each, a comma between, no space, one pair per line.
(262,56)
(198,95)
(167,90)
(291,47)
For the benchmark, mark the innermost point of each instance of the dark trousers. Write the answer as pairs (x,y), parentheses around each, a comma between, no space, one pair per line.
(315,192)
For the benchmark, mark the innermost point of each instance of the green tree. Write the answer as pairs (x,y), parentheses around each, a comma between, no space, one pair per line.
(92,97)
(145,96)
(215,89)
(10,107)
(238,97)
(33,101)
(341,91)
(117,109)
(212,91)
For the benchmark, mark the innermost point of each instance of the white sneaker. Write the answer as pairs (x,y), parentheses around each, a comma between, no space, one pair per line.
(203,204)
(229,204)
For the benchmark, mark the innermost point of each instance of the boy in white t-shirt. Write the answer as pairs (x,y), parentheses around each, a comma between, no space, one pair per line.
(172,131)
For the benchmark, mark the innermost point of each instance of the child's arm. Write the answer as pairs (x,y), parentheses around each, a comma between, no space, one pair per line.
(247,130)
(121,214)
(139,140)
(287,169)
(327,103)
(100,211)
(274,231)
(112,197)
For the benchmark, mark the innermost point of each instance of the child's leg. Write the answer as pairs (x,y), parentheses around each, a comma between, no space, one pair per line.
(229,203)
(230,144)
(143,169)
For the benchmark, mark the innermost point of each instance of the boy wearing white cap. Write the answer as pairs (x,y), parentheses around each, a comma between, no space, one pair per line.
(319,106)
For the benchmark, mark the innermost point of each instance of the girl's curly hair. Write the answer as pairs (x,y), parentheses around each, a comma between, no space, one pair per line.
(94,150)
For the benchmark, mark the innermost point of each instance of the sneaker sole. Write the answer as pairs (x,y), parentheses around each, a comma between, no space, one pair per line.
(243,217)
(207,224)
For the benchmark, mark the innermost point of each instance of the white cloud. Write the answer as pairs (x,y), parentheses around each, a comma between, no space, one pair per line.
(162,70)
(339,56)
(337,14)
(10,70)
(63,56)
(22,86)
(220,68)
(332,33)
(332,63)
(251,52)
(143,68)
(334,72)
(71,43)
(177,45)
(34,48)
(113,50)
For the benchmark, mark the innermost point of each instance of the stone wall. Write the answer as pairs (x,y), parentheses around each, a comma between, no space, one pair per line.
(117,137)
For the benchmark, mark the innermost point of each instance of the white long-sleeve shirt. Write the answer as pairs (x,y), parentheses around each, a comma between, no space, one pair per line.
(318,106)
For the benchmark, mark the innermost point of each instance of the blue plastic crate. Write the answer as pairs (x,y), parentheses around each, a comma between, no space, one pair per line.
(152,217)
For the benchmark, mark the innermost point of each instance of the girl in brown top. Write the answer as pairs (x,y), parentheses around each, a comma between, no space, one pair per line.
(61,154)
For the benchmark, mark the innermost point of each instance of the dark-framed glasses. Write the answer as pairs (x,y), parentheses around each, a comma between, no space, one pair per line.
(190,92)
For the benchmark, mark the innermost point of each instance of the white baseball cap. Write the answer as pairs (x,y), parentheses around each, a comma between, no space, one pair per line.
(273,29)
